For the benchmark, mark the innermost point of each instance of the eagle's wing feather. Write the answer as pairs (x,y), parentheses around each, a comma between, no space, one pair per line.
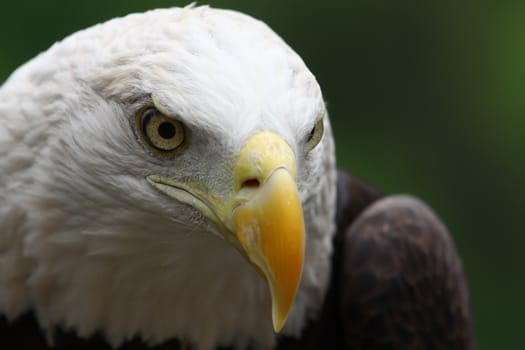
(402,284)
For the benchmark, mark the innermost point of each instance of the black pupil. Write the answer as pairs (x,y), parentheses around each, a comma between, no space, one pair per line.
(166,130)
(311,134)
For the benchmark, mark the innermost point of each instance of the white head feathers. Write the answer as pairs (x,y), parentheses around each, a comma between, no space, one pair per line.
(87,243)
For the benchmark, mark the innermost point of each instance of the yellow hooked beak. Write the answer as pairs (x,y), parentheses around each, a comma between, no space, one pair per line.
(263,218)
(270,224)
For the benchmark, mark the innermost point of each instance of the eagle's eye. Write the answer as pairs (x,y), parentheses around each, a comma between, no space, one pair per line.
(315,135)
(159,133)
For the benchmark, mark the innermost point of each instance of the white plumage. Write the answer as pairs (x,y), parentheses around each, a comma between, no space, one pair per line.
(88,243)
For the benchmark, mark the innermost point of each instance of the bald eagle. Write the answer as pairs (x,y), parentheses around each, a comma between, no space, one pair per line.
(168,180)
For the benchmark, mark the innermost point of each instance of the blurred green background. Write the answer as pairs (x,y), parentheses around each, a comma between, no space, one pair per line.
(426,97)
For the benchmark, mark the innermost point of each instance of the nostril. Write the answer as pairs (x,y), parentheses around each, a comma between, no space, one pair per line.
(251,183)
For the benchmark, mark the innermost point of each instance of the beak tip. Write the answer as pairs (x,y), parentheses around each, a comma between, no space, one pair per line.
(278,322)
(280,312)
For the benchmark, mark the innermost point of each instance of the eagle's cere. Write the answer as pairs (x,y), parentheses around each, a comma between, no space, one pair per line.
(171,175)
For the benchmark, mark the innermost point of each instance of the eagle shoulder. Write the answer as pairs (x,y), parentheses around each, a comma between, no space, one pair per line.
(402,284)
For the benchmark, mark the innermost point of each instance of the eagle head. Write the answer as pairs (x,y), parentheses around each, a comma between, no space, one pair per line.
(168,174)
